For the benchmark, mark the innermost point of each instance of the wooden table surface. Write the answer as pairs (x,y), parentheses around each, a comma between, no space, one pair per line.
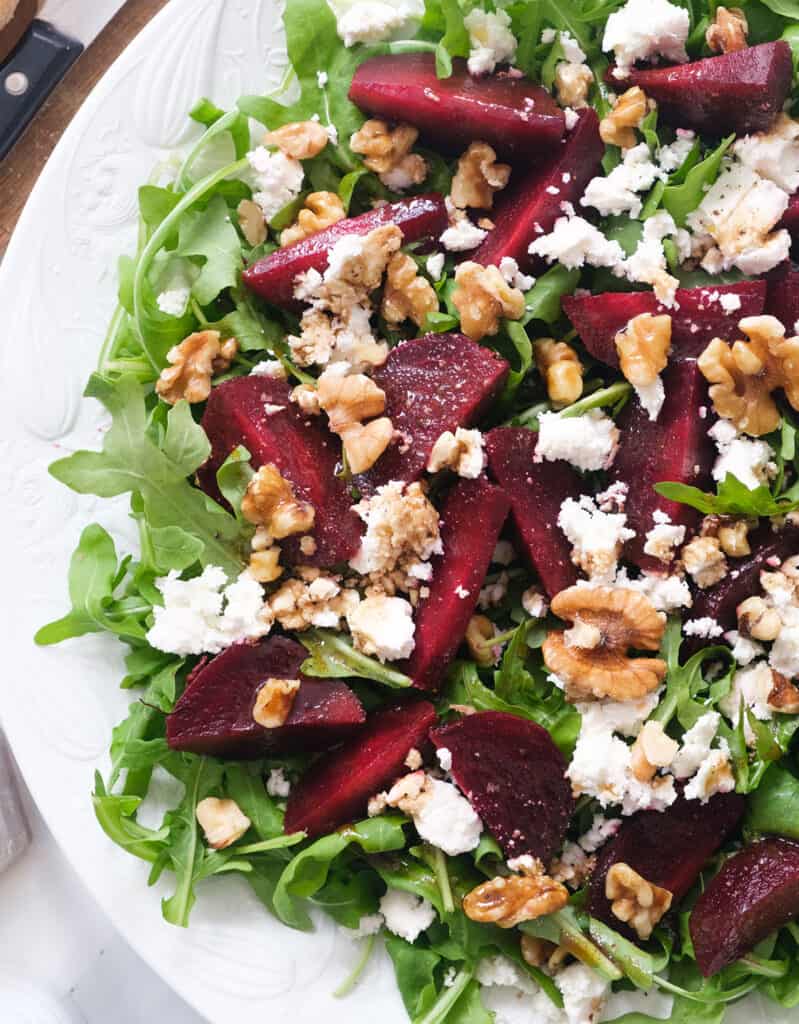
(22,166)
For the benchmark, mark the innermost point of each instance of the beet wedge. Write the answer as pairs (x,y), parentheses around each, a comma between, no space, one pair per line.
(514,776)
(790,219)
(515,116)
(304,451)
(675,447)
(536,491)
(739,92)
(273,276)
(698,317)
(668,848)
(434,383)
(531,205)
(471,520)
(214,714)
(782,297)
(337,788)
(755,893)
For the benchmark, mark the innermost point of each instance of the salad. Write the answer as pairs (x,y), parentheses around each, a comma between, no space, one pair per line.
(455,392)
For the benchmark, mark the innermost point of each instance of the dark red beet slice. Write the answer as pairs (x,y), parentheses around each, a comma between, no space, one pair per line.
(514,777)
(214,713)
(432,384)
(515,116)
(273,276)
(675,447)
(304,451)
(755,893)
(782,298)
(699,318)
(668,848)
(337,788)
(472,517)
(768,549)
(536,491)
(527,209)
(790,219)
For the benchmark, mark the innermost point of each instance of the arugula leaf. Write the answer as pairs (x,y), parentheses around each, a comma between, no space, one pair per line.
(116,816)
(455,41)
(415,971)
(774,806)
(332,657)
(542,302)
(233,478)
(680,200)
(245,784)
(732,499)
(524,352)
(210,234)
(686,684)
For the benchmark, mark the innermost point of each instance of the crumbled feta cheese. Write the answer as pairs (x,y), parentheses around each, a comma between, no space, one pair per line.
(277,784)
(696,744)
(435,265)
(673,156)
(714,776)
(613,498)
(369,924)
(383,626)
(729,302)
(206,614)
(444,818)
(370,21)
(572,51)
(534,603)
(644,30)
(462,236)
(406,915)
(588,442)
(584,993)
(667,593)
(575,242)
(444,758)
(321,79)
(750,461)
(601,830)
(277,179)
(596,537)
(784,656)
(491,40)
(663,538)
(402,526)
(461,452)
(648,263)
(617,192)
(651,396)
(571,118)
(509,269)
(773,154)
(269,368)
(493,594)
(706,628)
(753,684)
(744,650)
(498,970)
(173,301)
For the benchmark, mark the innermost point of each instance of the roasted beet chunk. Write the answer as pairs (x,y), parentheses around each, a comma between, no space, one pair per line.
(435,383)
(536,491)
(675,447)
(668,848)
(532,203)
(215,713)
(514,777)
(512,114)
(273,276)
(739,92)
(337,788)
(699,316)
(471,519)
(782,298)
(302,449)
(755,893)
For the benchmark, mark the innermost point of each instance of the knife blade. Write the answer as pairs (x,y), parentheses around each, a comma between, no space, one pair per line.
(38,45)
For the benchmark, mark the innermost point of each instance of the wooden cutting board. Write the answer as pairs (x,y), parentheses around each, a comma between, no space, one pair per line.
(22,166)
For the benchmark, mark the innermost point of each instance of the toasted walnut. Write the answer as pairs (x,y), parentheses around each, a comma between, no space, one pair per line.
(300,140)
(728,31)
(222,821)
(274,701)
(757,620)
(784,696)
(363,269)
(643,347)
(264,565)
(561,369)
(733,537)
(617,128)
(350,399)
(635,901)
(407,295)
(652,749)
(536,952)
(321,601)
(307,398)
(349,335)
(364,443)
(321,209)
(625,619)
(387,152)
(482,296)
(744,375)
(193,363)
(507,901)
(704,560)
(462,452)
(270,501)
(479,633)
(572,82)
(251,221)
(478,177)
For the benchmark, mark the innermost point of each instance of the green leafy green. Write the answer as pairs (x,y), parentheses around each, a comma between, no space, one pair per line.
(680,200)
(731,499)
(332,657)
(774,806)
(542,302)
(210,235)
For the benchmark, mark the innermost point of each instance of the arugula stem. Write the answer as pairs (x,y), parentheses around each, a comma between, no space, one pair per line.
(272,844)
(765,968)
(198,313)
(605,396)
(498,640)
(182,182)
(441,1007)
(720,997)
(354,976)
(109,342)
(442,878)
(403,46)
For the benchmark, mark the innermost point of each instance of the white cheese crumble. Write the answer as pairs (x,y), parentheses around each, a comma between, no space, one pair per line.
(646,30)
(588,442)
(173,301)
(406,915)
(277,784)
(277,179)
(784,656)
(509,269)
(743,649)
(651,396)
(773,154)
(445,819)
(575,242)
(401,524)
(618,192)
(435,265)
(498,970)
(369,924)
(491,40)
(370,21)
(534,603)
(383,626)
(584,993)
(696,744)
(596,537)
(269,368)
(462,236)
(706,628)
(462,452)
(750,461)
(663,538)
(648,263)
(714,776)
(667,593)
(602,829)
(444,757)
(673,156)
(754,684)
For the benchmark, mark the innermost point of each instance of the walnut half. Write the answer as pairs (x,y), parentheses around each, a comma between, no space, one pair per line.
(270,501)
(321,209)
(643,347)
(478,177)
(728,32)
(618,127)
(482,297)
(274,701)
(635,901)
(507,901)
(560,366)
(193,363)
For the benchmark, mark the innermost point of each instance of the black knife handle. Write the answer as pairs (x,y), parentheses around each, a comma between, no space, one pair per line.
(41,59)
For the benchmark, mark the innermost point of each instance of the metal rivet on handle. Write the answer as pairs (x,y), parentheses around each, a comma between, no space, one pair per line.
(17,83)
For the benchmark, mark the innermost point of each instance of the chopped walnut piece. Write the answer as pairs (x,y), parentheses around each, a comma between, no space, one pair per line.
(560,366)
(572,82)
(482,296)
(535,951)
(387,152)
(733,537)
(618,127)
(625,619)
(478,177)
(349,399)
(507,901)
(264,565)
(251,221)
(643,347)
(307,398)
(364,267)
(300,140)
(364,443)
(744,375)
(728,31)
(274,701)
(222,821)
(321,209)
(635,901)
(757,620)
(270,501)
(652,749)
(704,560)
(407,295)
(193,363)
(784,696)
(462,452)
(299,604)
(480,630)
